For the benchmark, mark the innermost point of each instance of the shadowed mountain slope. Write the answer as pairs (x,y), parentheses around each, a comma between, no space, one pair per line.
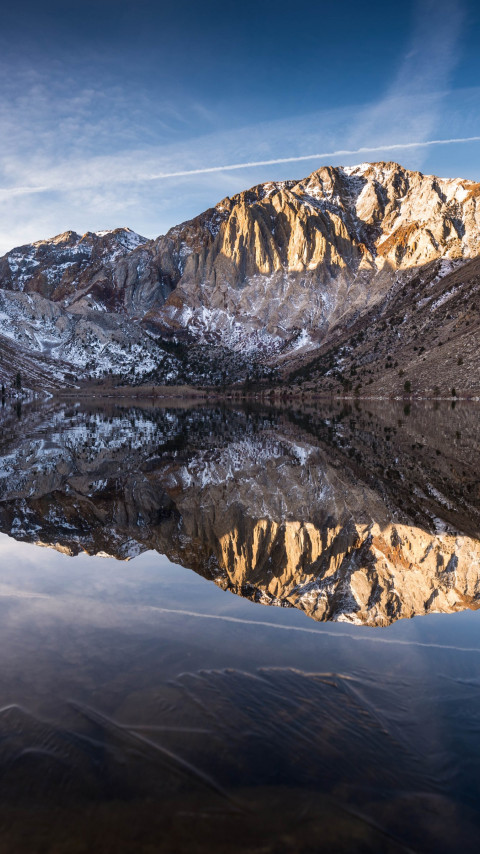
(262,283)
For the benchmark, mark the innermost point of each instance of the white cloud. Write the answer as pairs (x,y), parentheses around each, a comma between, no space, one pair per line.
(101,155)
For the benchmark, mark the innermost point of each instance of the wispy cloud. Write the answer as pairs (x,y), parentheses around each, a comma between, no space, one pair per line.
(424,69)
(340,152)
(90,180)
(92,156)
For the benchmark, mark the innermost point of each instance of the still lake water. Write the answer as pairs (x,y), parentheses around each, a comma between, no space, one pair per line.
(147,708)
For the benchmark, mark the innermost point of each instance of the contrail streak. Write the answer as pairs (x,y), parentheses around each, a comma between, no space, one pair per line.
(8,192)
(306,630)
(341,152)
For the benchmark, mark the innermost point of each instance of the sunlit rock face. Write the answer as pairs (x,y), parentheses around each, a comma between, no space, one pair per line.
(348,515)
(297,257)
(271,273)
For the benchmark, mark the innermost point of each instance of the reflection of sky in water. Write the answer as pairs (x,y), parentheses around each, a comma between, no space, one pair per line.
(247,696)
(142,704)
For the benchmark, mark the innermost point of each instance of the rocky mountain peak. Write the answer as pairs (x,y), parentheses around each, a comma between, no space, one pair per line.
(62,264)
(275,269)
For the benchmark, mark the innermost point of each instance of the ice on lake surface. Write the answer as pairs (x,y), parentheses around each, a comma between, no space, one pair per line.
(146,708)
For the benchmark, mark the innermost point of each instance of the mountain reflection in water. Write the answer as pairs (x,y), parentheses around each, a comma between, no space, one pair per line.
(352,514)
(144,710)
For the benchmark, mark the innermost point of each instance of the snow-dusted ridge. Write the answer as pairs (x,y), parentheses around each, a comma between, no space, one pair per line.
(266,276)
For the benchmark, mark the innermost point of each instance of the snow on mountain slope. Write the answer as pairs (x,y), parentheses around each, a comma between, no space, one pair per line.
(57,301)
(293,257)
(68,262)
(266,274)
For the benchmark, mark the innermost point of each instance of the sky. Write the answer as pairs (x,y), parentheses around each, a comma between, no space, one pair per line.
(143,115)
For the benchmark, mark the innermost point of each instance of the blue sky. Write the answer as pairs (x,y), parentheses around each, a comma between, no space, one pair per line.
(100,101)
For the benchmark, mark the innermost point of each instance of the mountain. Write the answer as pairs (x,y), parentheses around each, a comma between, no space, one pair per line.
(347,514)
(314,282)
(61,315)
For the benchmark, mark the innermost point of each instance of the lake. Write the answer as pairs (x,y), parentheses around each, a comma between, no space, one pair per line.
(240,628)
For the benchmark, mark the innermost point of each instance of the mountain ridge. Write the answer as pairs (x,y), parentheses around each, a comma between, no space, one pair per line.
(248,290)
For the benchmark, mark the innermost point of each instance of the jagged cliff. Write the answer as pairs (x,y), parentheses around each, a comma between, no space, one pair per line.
(270,278)
(293,259)
(348,515)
